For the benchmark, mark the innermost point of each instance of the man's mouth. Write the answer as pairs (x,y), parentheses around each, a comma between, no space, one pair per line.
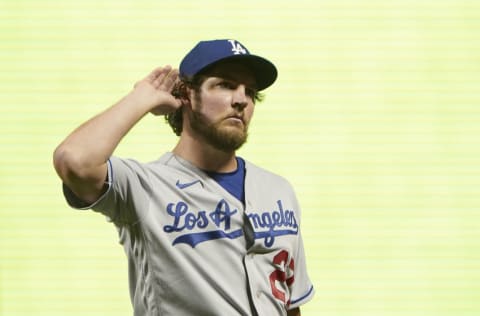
(236,118)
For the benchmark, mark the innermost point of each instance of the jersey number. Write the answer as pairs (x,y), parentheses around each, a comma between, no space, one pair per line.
(282,274)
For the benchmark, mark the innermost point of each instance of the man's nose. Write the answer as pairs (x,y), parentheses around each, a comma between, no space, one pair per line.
(240,100)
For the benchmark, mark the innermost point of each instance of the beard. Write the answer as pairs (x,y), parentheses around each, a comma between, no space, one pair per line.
(219,137)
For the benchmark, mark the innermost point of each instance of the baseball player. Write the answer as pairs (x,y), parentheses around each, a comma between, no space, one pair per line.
(205,231)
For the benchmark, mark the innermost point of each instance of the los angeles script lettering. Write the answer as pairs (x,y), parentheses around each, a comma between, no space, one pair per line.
(183,219)
(267,225)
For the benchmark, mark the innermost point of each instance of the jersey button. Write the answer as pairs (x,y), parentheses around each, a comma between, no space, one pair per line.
(259,293)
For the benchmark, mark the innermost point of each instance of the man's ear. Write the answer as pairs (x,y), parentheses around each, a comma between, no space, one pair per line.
(181,91)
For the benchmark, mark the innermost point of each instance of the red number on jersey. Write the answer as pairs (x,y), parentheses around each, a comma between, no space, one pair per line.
(283,274)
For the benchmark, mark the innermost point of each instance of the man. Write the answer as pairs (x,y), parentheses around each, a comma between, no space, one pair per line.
(205,232)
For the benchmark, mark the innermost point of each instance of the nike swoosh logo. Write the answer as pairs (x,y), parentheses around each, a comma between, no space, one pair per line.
(185,185)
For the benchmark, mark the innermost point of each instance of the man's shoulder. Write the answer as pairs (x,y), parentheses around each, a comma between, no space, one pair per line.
(164,159)
(263,173)
(139,167)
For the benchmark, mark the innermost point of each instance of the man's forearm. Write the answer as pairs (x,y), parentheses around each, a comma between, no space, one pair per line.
(92,143)
(80,160)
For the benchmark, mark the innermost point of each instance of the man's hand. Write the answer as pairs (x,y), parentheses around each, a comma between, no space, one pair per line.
(155,91)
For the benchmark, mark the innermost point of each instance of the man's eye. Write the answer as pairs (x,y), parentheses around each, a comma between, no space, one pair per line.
(226,84)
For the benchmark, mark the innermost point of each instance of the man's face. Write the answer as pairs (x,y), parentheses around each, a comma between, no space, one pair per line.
(223,107)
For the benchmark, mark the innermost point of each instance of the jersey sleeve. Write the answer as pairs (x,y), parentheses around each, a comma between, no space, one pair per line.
(125,198)
(302,290)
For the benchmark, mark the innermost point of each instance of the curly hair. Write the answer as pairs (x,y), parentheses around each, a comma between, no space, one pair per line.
(180,91)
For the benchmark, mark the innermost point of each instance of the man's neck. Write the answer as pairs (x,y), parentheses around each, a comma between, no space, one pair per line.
(204,156)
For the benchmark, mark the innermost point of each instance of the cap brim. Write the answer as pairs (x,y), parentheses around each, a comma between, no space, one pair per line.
(264,71)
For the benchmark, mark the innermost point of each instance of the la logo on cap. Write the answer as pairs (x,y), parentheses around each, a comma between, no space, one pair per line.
(207,53)
(237,49)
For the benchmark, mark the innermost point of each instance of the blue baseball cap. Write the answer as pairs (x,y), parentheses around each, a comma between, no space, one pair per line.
(207,53)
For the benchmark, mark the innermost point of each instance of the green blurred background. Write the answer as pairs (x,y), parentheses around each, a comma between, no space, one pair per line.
(374,119)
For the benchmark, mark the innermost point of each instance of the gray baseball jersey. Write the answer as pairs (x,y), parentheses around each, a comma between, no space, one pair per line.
(194,249)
